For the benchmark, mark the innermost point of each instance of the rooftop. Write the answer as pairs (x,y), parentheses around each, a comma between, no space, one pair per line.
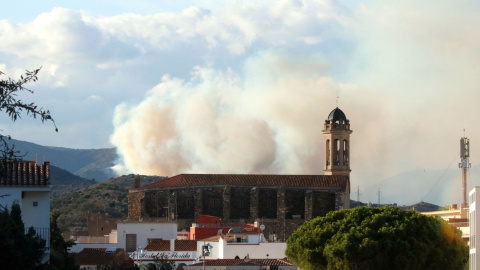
(259,262)
(254,180)
(100,256)
(26,173)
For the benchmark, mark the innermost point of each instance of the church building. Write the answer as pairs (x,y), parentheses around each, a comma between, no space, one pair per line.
(281,202)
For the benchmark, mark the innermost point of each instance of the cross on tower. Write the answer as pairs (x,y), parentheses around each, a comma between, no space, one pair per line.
(337,98)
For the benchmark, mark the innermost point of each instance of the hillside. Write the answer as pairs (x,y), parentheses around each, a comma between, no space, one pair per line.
(63,181)
(87,163)
(109,197)
(419,207)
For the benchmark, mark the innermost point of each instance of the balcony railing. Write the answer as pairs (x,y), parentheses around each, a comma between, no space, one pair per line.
(44,233)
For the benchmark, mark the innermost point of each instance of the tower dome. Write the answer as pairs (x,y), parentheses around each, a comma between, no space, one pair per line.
(337,116)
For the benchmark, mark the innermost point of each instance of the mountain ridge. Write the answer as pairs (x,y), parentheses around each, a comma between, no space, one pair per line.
(94,164)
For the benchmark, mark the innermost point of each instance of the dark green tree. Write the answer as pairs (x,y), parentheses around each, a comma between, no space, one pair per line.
(19,249)
(377,238)
(60,259)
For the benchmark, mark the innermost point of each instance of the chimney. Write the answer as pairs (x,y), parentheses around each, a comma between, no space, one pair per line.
(137,181)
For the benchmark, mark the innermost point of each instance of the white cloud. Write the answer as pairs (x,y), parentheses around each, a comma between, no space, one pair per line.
(407,73)
(212,123)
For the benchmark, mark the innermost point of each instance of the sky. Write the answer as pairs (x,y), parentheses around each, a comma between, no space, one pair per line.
(245,87)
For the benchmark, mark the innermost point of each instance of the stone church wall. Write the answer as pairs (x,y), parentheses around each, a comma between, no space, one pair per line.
(281,209)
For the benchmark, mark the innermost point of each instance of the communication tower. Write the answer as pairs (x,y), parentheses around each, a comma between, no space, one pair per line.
(464,165)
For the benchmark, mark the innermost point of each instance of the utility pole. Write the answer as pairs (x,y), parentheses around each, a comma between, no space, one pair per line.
(358,194)
(464,165)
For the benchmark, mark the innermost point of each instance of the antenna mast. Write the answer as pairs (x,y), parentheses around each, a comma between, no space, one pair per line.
(464,165)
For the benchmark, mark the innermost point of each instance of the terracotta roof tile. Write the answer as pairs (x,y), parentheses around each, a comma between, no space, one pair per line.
(26,173)
(158,245)
(98,256)
(231,262)
(216,238)
(184,180)
(185,245)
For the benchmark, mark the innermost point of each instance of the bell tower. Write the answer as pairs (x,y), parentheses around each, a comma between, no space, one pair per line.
(337,144)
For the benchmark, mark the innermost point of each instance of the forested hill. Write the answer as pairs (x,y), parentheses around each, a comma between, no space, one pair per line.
(63,181)
(109,196)
(88,163)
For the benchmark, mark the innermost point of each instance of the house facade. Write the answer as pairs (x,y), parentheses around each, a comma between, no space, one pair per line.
(28,184)
(474,218)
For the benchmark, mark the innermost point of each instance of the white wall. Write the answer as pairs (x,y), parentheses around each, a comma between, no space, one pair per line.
(79,247)
(36,216)
(144,231)
(224,250)
(214,252)
(254,251)
(474,219)
(32,216)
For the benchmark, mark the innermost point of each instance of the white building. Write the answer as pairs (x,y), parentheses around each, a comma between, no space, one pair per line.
(474,216)
(144,241)
(226,247)
(241,249)
(135,235)
(28,184)
(457,217)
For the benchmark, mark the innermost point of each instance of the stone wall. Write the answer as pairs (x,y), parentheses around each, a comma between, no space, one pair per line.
(281,209)
(322,203)
(135,204)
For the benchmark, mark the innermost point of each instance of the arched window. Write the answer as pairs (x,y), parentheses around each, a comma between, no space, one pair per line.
(337,152)
(345,153)
(327,153)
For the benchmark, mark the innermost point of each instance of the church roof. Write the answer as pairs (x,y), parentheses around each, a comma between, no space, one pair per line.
(337,115)
(189,180)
